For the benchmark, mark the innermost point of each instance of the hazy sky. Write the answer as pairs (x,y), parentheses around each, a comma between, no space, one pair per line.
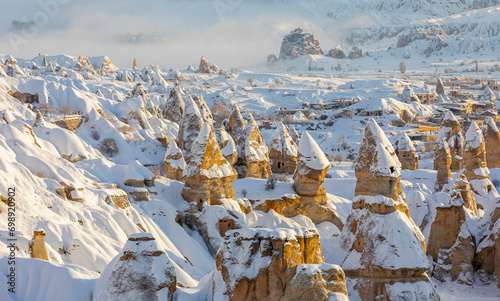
(230,33)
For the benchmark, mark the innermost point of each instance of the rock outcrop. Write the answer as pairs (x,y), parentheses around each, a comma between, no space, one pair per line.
(452,132)
(204,66)
(385,249)
(37,246)
(141,272)
(275,264)
(208,176)
(488,95)
(442,162)
(282,151)
(492,144)
(475,168)
(236,126)
(488,250)
(253,161)
(299,43)
(312,167)
(227,146)
(406,153)
(189,127)
(175,107)
(409,96)
(475,154)
(174,163)
(451,244)
(440,87)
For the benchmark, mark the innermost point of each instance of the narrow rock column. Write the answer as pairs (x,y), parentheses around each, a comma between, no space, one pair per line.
(37,246)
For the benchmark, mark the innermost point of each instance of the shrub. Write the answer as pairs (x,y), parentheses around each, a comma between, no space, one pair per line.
(109,148)
(270,183)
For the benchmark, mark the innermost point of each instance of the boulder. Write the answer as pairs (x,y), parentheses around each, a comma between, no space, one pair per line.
(208,176)
(406,152)
(275,264)
(299,43)
(492,144)
(141,272)
(282,151)
(452,132)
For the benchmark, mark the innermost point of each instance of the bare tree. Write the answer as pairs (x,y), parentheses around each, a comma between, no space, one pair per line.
(251,81)
(66,110)
(476,64)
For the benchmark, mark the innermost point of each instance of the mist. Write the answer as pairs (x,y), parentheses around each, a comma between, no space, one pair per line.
(171,34)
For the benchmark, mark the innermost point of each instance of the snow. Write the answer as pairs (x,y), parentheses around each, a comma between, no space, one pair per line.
(83,238)
(310,154)
(405,144)
(282,142)
(473,138)
(390,234)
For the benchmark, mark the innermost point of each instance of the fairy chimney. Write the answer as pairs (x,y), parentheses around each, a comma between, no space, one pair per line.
(475,154)
(175,107)
(492,144)
(384,246)
(134,64)
(440,87)
(227,146)
(208,176)
(475,168)
(442,162)
(377,167)
(204,66)
(37,246)
(189,127)
(488,95)
(141,272)
(406,153)
(275,264)
(39,121)
(282,151)
(451,244)
(174,163)
(236,125)
(295,136)
(488,249)
(452,132)
(253,161)
(312,166)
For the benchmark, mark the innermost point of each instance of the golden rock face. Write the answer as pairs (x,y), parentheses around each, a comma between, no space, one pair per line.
(208,176)
(286,256)
(453,252)
(492,147)
(37,246)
